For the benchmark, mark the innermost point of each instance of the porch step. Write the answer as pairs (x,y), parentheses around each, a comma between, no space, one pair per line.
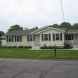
(36,47)
(75,46)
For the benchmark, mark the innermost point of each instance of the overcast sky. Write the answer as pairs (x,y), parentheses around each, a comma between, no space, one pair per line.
(32,13)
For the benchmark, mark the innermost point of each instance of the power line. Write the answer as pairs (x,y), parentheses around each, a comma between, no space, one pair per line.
(62,11)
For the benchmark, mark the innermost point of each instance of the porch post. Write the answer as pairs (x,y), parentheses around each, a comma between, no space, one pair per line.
(32,40)
(40,40)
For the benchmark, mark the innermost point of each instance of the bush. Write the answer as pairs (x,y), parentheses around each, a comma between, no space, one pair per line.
(67,46)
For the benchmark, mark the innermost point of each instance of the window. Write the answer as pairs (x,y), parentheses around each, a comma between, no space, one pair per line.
(69,37)
(45,37)
(10,38)
(30,37)
(57,37)
(17,38)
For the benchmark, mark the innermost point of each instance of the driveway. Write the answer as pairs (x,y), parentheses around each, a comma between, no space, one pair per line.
(25,68)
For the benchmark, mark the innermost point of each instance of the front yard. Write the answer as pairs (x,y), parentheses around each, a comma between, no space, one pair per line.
(37,54)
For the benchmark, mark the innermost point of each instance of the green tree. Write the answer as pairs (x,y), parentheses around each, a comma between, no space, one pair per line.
(65,24)
(75,26)
(15,27)
(56,25)
(2,33)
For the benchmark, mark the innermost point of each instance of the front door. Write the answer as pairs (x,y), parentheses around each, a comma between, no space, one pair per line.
(75,39)
(37,40)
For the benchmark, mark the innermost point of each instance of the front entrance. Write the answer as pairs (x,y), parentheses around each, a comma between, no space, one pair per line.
(37,40)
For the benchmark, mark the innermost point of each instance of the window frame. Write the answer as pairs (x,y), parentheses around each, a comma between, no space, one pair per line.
(19,38)
(56,36)
(30,37)
(45,37)
(9,38)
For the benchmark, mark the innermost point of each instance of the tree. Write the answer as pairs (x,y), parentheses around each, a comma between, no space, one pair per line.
(75,26)
(15,27)
(65,24)
(56,25)
(2,33)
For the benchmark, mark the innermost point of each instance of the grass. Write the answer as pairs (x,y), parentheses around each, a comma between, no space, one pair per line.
(37,54)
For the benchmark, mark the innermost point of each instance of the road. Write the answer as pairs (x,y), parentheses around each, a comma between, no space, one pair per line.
(28,68)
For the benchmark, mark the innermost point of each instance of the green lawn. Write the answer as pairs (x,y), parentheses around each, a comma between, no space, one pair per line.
(39,54)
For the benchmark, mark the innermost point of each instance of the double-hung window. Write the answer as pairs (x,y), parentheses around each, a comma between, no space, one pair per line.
(9,38)
(30,37)
(17,38)
(45,37)
(57,36)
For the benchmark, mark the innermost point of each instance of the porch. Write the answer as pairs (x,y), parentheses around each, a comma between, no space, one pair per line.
(72,39)
(36,41)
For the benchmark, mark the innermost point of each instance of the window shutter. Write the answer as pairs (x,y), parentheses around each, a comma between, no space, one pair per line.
(34,37)
(42,37)
(61,36)
(20,38)
(7,38)
(65,37)
(53,37)
(72,36)
(27,37)
(12,38)
(15,38)
(49,37)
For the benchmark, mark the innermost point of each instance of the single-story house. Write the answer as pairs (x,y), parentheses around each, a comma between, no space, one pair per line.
(48,36)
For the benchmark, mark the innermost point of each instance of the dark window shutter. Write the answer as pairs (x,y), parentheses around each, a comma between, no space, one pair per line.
(20,38)
(15,38)
(34,37)
(65,37)
(72,36)
(27,37)
(7,38)
(49,37)
(12,38)
(42,37)
(53,37)
(61,36)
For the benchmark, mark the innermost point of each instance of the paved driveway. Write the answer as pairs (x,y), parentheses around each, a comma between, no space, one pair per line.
(23,68)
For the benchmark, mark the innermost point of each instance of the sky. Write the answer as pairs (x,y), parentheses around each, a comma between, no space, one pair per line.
(32,13)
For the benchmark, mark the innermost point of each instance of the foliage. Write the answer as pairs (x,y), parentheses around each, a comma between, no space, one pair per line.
(15,27)
(56,25)
(2,33)
(65,24)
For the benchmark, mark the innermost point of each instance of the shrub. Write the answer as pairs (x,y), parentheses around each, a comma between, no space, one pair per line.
(67,46)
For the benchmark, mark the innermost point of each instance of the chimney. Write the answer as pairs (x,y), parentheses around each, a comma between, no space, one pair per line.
(36,27)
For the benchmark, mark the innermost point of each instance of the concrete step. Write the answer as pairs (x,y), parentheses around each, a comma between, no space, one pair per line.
(36,47)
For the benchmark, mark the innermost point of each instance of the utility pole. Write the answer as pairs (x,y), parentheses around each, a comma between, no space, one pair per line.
(62,10)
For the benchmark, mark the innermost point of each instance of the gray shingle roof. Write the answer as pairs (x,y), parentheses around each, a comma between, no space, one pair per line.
(72,30)
(20,32)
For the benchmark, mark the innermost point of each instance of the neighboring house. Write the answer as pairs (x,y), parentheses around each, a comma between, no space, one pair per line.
(3,41)
(48,36)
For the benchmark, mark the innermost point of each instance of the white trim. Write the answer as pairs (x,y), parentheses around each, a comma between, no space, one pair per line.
(40,39)
(30,37)
(19,38)
(55,36)
(32,40)
(44,37)
(47,29)
(51,28)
